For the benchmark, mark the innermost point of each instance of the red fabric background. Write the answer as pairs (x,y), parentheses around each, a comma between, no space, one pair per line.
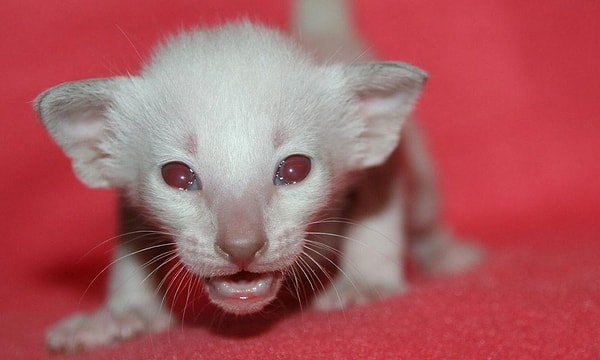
(513,118)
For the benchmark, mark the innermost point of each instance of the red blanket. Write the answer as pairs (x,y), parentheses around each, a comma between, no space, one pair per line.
(512,114)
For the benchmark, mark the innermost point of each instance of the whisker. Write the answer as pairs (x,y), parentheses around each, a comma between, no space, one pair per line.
(104,269)
(169,255)
(300,285)
(102,243)
(179,269)
(358,57)
(323,270)
(130,43)
(344,237)
(166,276)
(346,221)
(166,258)
(296,287)
(176,278)
(173,274)
(318,244)
(313,278)
(189,286)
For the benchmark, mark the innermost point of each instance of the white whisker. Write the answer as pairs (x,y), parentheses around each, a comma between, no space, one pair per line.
(323,270)
(104,269)
(303,268)
(169,255)
(296,287)
(144,233)
(346,221)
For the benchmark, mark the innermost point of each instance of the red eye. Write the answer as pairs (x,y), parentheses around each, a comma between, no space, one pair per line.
(293,169)
(178,175)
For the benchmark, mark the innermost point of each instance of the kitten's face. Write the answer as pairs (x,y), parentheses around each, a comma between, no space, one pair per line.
(233,169)
(233,141)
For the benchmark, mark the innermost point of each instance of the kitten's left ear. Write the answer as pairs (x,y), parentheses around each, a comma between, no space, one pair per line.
(75,115)
(383,96)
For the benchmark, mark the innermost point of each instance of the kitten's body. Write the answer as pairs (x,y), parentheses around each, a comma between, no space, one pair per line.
(234,105)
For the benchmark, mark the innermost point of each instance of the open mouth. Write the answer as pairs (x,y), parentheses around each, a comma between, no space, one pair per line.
(243,292)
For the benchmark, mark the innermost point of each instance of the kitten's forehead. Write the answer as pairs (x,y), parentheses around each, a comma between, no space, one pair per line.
(232,80)
(233,100)
(233,140)
(237,53)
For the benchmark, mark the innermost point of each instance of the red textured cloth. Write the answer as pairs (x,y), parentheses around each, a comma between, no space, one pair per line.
(512,114)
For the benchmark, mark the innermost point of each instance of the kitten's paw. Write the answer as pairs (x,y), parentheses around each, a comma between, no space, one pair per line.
(455,258)
(439,253)
(344,293)
(82,332)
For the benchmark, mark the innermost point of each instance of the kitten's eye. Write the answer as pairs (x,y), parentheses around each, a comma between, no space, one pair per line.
(291,170)
(178,175)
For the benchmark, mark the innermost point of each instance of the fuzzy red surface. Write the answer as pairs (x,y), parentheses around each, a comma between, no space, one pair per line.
(512,113)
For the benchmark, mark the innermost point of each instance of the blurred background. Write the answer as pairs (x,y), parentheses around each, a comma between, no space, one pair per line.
(511,112)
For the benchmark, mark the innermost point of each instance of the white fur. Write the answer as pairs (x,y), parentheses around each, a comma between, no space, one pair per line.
(232,103)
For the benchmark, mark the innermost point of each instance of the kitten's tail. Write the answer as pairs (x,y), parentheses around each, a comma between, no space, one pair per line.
(327,26)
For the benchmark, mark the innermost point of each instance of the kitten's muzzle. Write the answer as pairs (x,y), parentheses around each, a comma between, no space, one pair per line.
(244,292)
(240,237)
(241,252)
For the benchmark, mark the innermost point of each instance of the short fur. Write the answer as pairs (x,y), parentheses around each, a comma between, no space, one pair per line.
(232,103)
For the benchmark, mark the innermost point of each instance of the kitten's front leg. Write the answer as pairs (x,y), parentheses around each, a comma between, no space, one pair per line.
(133,307)
(371,265)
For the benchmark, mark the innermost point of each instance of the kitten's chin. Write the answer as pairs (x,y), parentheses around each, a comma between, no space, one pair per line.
(244,292)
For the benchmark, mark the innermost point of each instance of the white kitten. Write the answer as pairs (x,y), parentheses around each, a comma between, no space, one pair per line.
(248,161)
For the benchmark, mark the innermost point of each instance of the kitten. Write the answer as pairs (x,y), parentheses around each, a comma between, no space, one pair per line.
(246,160)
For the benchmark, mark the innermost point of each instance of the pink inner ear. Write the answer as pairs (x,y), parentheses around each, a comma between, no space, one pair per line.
(78,131)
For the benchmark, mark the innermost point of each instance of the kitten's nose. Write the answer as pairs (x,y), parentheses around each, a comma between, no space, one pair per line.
(241,252)
(240,236)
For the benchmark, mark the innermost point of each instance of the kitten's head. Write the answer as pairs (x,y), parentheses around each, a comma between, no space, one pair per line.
(233,140)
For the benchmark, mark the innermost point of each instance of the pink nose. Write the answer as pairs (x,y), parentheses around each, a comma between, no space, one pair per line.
(241,252)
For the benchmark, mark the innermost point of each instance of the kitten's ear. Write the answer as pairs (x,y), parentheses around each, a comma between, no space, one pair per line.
(75,115)
(384,95)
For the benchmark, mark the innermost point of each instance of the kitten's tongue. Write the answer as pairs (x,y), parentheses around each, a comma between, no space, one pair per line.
(244,292)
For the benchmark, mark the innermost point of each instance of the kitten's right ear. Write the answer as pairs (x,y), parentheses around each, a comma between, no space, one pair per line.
(382,97)
(75,115)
